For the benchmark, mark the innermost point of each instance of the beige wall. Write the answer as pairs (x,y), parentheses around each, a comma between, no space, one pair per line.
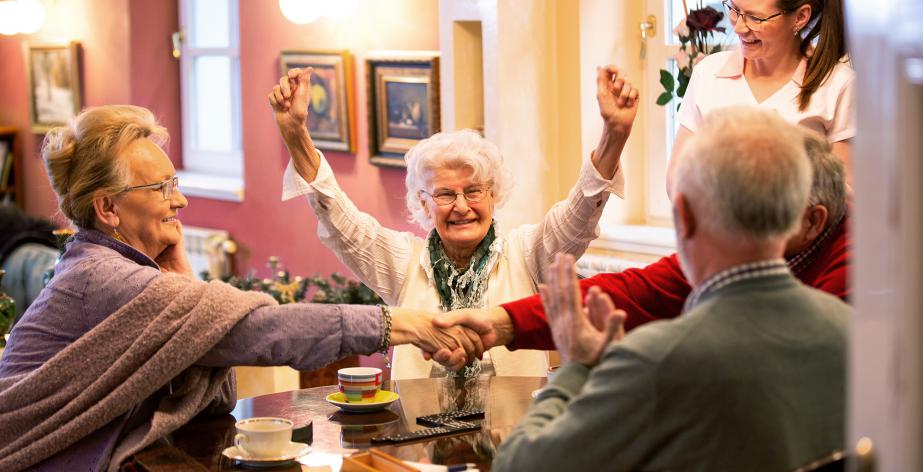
(609,35)
(539,91)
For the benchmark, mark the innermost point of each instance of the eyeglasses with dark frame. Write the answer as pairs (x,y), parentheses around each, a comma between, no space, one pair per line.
(754,23)
(445,198)
(166,187)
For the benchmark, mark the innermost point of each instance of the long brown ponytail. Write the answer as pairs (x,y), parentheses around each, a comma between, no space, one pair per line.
(830,28)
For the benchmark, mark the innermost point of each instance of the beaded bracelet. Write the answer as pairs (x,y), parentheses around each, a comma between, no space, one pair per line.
(385,333)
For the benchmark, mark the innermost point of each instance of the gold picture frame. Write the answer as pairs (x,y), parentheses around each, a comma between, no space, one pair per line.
(331,120)
(403,94)
(55,88)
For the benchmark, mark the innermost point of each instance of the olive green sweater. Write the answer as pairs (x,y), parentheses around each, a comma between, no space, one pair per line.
(752,378)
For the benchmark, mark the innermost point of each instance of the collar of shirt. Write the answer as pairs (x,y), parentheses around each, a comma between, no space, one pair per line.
(799,261)
(751,270)
(93,236)
(734,68)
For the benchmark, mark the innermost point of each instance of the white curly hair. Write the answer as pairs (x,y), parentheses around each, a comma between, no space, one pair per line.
(453,149)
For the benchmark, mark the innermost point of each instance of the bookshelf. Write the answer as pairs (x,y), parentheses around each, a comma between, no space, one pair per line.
(11,191)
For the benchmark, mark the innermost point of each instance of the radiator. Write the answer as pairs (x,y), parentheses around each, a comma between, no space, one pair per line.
(209,250)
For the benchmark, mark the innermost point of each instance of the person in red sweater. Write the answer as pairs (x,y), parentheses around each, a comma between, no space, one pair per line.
(818,255)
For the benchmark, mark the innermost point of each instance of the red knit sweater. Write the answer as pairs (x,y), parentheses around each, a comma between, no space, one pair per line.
(659,290)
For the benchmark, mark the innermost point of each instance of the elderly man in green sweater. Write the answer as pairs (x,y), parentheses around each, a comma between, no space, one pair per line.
(750,377)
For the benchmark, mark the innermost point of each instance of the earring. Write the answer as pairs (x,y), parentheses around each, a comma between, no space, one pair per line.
(796,32)
(118,237)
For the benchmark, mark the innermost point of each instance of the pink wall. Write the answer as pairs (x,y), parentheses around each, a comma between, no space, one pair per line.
(262,223)
(126,59)
(122,63)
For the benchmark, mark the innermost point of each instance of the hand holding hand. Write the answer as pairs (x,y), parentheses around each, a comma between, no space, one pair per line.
(580,335)
(458,345)
(493,325)
(617,98)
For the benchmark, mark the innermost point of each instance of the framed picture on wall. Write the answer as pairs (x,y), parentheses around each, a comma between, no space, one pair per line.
(403,91)
(330,112)
(55,90)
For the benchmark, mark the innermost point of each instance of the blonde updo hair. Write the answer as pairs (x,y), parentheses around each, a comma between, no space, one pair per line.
(453,150)
(83,161)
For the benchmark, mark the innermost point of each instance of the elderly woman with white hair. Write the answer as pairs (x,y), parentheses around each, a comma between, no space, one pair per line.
(455,181)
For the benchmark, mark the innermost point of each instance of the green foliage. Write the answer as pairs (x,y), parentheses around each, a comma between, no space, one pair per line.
(696,40)
(335,289)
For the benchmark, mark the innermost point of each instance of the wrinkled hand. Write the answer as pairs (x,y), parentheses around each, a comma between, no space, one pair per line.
(173,258)
(290,99)
(580,335)
(492,325)
(617,98)
(459,345)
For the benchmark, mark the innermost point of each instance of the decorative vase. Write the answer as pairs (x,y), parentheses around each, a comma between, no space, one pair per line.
(7,311)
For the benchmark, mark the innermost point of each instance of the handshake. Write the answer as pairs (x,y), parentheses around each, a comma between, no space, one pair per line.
(454,339)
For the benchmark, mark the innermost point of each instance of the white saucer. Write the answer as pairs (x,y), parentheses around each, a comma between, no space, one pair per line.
(293,451)
(382,399)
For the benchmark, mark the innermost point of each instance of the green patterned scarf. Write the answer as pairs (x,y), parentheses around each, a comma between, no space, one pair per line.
(461,288)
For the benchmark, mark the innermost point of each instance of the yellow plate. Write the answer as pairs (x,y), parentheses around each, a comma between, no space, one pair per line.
(381,400)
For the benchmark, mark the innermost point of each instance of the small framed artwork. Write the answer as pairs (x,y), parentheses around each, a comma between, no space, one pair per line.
(55,91)
(330,112)
(403,95)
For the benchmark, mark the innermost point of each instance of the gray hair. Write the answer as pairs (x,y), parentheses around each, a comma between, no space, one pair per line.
(829,186)
(455,150)
(83,159)
(749,173)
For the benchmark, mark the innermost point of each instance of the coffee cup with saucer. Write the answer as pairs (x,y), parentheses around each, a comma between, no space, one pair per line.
(265,442)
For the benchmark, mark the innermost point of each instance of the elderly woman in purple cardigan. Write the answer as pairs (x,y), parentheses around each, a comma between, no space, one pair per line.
(124,346)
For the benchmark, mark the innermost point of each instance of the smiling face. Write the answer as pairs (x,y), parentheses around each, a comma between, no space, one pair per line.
(776,37)
(463,224)
(146,221)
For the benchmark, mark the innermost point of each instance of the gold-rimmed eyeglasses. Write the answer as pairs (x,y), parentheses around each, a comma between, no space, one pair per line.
(754,23)
(445,197)
(166,187)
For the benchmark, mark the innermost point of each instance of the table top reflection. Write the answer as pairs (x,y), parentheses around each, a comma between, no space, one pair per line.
(198,445)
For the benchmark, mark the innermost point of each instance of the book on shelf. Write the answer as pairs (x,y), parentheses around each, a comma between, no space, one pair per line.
(6,165)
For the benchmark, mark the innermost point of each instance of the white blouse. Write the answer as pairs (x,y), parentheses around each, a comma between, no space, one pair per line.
(396,264)
(718,81)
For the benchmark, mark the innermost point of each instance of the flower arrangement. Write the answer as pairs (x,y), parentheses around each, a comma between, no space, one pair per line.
(697,39)
(285,289)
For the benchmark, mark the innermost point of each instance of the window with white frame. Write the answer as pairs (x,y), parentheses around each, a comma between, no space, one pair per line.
(663,124)
(210,83)
(641,225)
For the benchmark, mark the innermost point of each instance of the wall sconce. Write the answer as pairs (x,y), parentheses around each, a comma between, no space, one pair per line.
(21,16)
(303,12)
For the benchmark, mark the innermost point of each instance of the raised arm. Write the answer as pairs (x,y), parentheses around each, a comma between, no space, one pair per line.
(378,256)
(289,101)
(618,106)
(570,225)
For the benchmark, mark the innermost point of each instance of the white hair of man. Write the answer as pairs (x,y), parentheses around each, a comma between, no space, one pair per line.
(746,174)
(829,186)
(453,150)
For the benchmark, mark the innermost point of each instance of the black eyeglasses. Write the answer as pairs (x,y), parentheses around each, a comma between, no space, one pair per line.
(166,187)
(472,195)
(754,23)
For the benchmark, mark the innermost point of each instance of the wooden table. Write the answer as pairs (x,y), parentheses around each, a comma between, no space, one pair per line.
(198,445)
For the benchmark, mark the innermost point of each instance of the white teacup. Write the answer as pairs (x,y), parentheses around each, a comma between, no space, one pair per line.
(263,437)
